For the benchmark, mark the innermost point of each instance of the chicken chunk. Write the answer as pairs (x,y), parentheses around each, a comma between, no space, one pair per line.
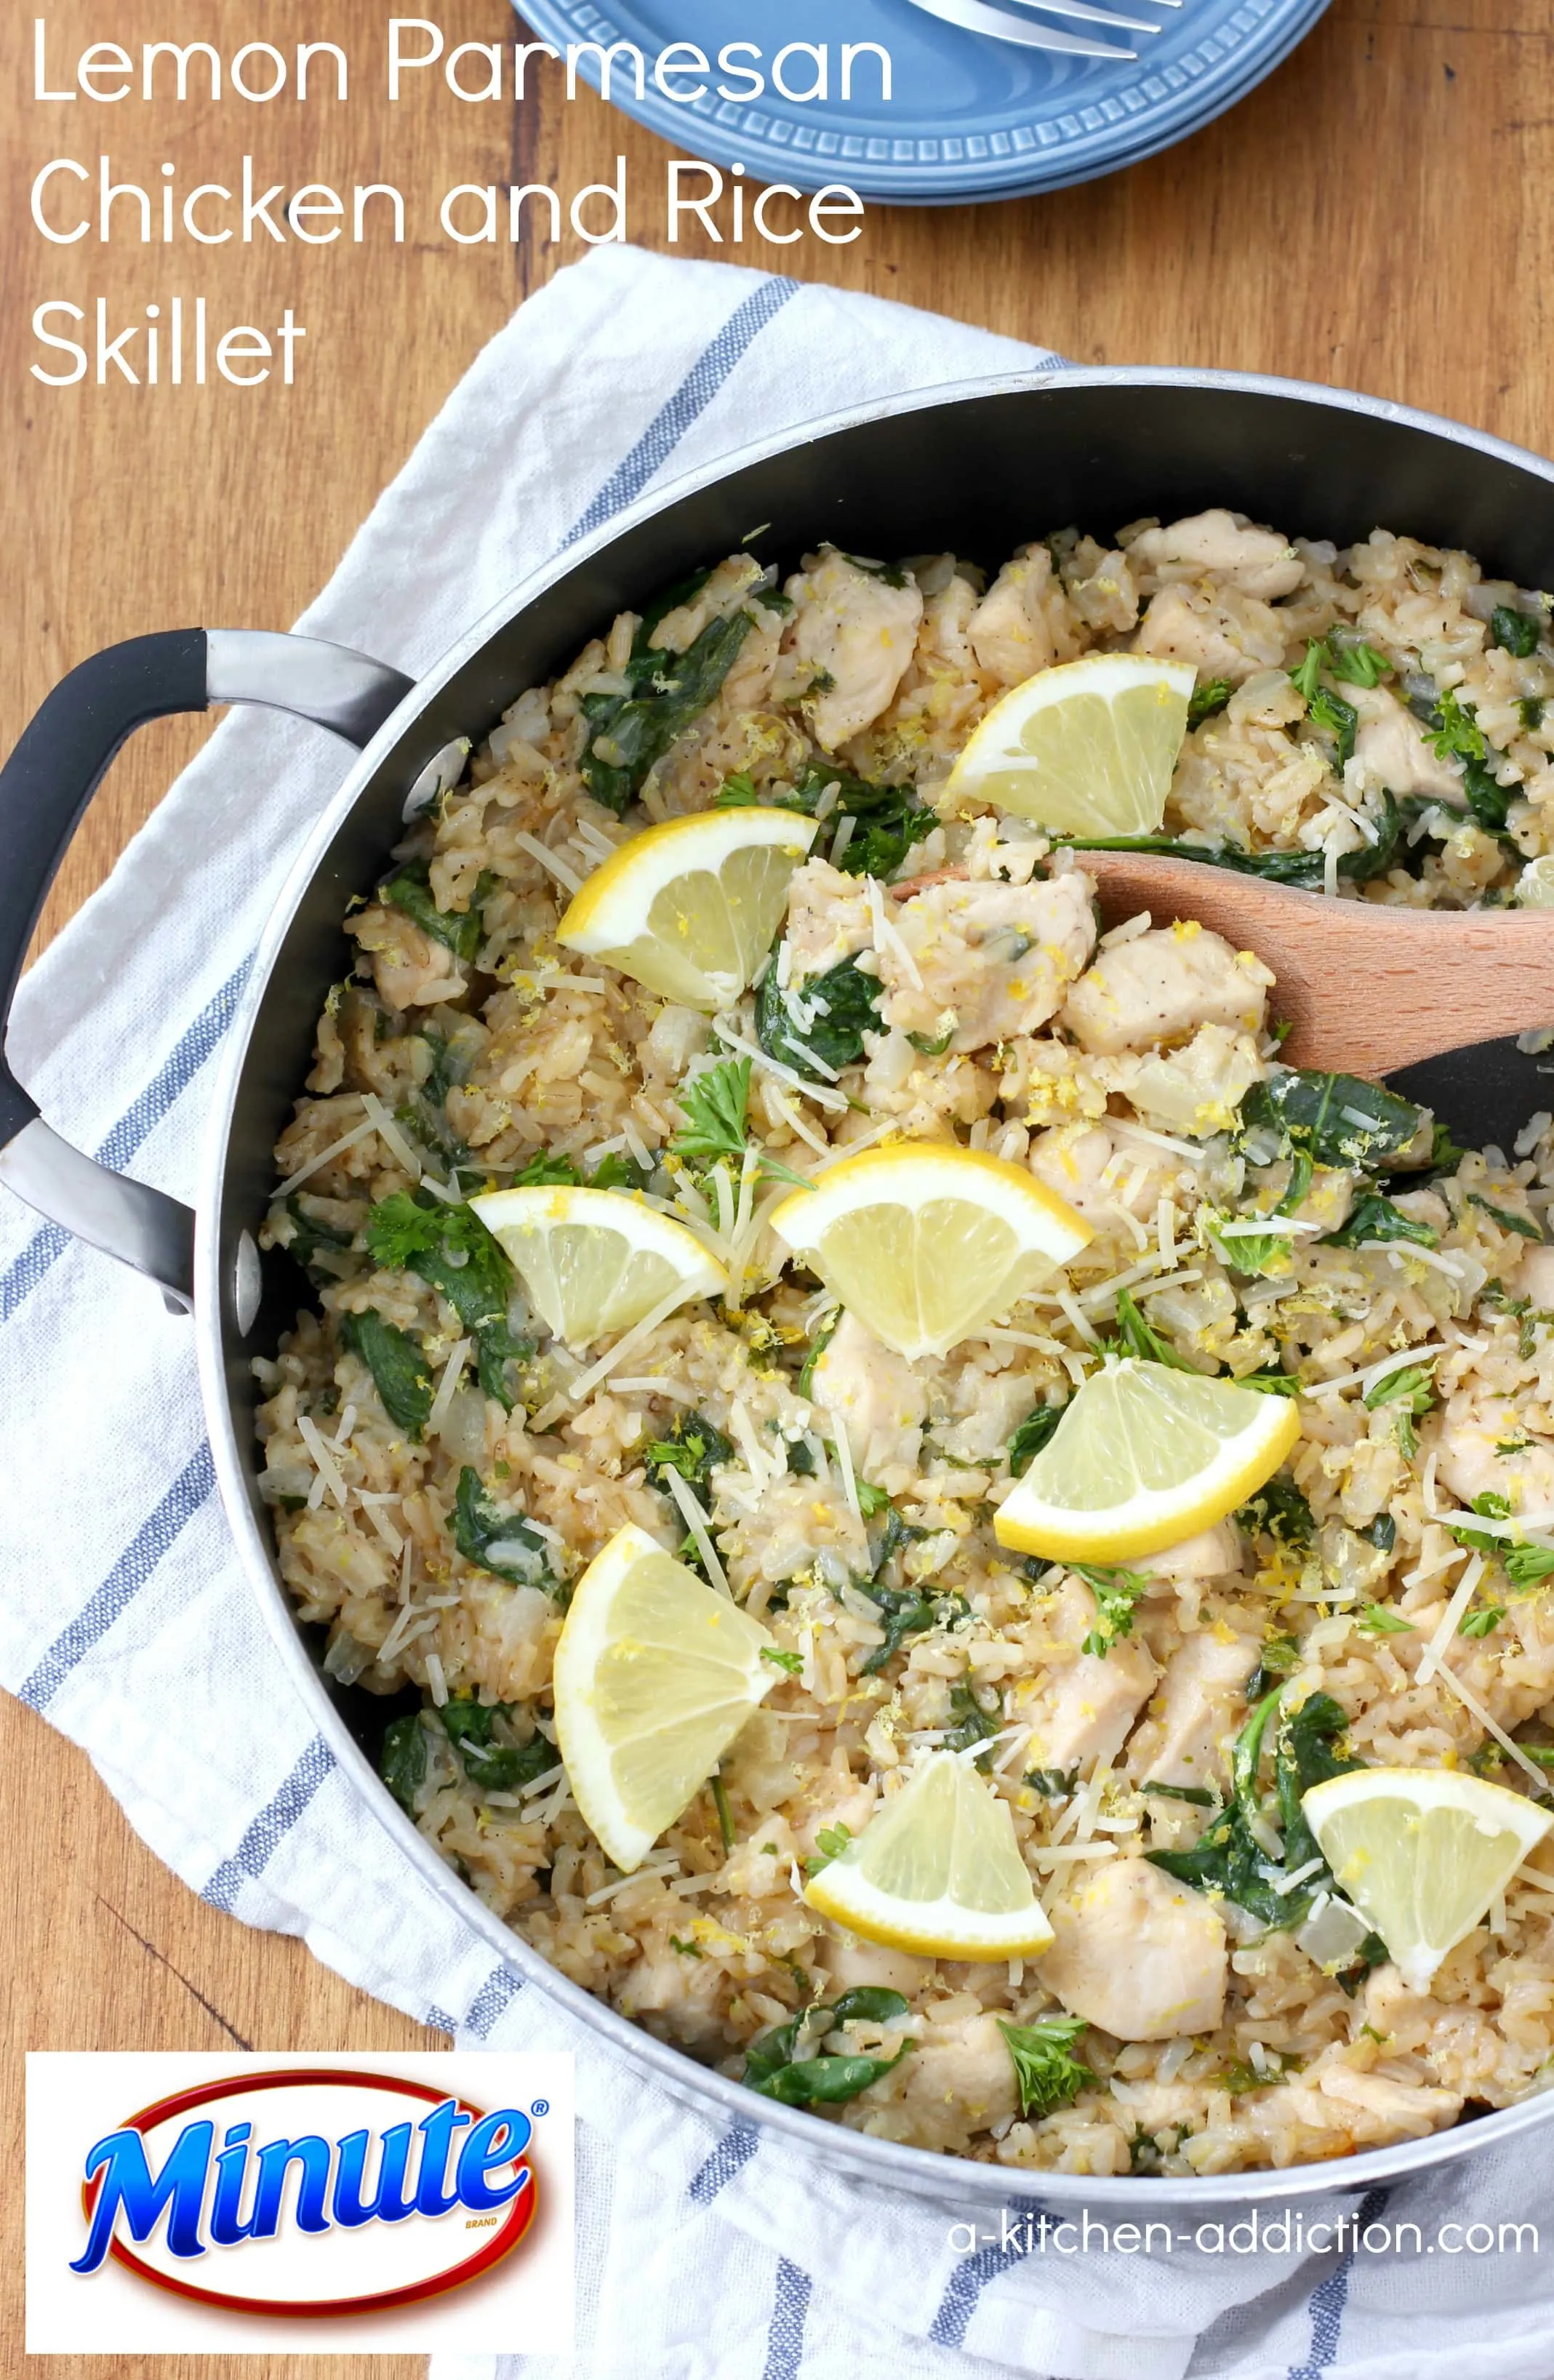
(1393,751)
(1162,987)
(1466,1433)
(1220,545)
(1406,2108)
(719,596)
(851,637)
(1086,1702)
(409,969)
(1201,1704)
(876,1395)
(961,2076)
(1139,1954)
(850,1961)
(829,919)
(1210,1554)
(1534,1277)
(985,961)
(1018,626)
(1100,1172)
(1233,637)
(1195,1090)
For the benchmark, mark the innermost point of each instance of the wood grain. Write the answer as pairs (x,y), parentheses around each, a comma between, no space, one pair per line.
(1380,214)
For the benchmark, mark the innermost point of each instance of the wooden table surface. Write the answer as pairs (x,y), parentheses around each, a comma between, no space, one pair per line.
(1380,214)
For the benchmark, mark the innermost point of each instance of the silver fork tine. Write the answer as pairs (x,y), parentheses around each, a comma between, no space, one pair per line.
(1081,12)
(974,16)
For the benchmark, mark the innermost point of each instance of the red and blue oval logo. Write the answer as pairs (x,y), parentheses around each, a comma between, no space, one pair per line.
(310,2191)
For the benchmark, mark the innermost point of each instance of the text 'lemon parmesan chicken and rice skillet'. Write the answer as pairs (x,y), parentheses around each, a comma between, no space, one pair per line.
(917,1472)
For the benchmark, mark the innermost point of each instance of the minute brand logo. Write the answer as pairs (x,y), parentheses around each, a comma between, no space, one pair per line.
(197,2176)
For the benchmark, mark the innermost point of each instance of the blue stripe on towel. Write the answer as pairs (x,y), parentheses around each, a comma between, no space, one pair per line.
(276,1820)
(675,416)
(1331,2296)
(501,1987)
(971,2277)
(784,2339)
(733,2153)
(128,1575)
(173,1077)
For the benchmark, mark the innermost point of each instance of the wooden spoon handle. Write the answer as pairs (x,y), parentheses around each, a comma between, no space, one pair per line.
(1364,986)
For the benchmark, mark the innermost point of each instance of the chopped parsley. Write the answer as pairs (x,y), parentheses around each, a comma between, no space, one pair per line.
(1205,700)
(1117,1593)
(715,1105)
(1379,1620)
(790,1664)
(830,1843)
(1046,2073)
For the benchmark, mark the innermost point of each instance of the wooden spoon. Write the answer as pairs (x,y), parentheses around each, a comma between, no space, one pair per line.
(1366,987)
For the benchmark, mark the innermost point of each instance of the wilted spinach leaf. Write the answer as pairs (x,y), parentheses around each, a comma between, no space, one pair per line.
(775,2066)
(501,1543)
(842,1004)
(402,1761)
(1033,1434)
(1375,1218)
(397,1366)
(468,1727)
(1280,1511)
(1337,1119)
(459,930)
(627,733)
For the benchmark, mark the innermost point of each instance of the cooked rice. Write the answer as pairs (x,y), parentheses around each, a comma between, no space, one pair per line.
(456,1071)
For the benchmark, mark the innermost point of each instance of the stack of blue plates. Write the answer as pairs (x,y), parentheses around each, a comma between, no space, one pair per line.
(969,117)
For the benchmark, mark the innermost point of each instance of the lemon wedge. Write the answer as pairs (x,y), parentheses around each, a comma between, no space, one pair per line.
(1087,748)
(690,909)
(1420,1852)
(1143,1457)
(597,1261)
(655,1675)
(926,1243)
(938,1871)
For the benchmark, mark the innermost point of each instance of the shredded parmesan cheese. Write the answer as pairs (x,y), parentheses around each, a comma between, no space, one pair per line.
(447,1386)
(696,1522)
(325,1156)
(585,1385)
(388,1132)
(329,1474)
(564,877)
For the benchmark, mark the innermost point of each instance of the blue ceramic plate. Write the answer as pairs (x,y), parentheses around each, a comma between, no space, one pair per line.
(969,118)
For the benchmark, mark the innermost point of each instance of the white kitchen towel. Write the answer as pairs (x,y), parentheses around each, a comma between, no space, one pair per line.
(704,2249)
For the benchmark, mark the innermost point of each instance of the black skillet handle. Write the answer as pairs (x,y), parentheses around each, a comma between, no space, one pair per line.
(44,789)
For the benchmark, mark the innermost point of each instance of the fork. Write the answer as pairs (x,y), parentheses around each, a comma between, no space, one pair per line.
(976,16)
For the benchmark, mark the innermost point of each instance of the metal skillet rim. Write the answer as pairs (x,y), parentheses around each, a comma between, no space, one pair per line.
(863,2156)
